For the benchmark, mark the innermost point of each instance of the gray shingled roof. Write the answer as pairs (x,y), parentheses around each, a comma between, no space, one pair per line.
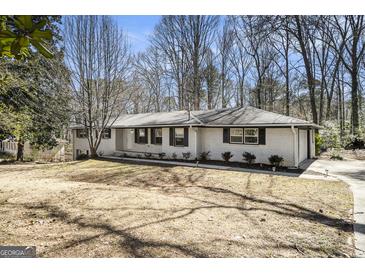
(247,116)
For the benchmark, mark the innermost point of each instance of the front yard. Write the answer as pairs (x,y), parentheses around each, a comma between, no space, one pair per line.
(108,209)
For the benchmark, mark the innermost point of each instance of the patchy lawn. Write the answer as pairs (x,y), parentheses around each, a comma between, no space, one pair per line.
(108,209)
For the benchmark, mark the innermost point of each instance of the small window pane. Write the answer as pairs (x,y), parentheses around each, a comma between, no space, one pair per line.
(236,135)
(179,132)
(251,136)
(158,132)
(141,132)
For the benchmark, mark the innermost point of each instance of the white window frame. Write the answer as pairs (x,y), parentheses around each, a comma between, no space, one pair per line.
(106,134)
(235,135)
(250,135)
(181,136)
(159,129)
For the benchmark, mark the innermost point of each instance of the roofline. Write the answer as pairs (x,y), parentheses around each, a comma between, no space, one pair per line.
(211,126)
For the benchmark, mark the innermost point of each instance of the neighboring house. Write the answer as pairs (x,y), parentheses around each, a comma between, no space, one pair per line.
(237,130)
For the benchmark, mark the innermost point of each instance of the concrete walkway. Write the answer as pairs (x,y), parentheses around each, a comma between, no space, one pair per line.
(353,173)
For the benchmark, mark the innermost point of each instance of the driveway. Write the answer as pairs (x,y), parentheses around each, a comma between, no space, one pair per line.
(353,173)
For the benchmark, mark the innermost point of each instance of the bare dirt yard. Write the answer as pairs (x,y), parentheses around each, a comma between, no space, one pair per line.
(99,208)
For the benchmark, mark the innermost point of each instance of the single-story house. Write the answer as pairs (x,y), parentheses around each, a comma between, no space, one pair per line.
(237,130)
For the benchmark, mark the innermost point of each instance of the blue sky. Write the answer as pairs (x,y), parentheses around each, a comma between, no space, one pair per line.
(138,27)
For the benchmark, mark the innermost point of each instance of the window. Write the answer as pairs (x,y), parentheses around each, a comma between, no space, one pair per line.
(251,135)
(236,135)
(81,133)
(158,135)
(179,137)
(106,133)
(141,136)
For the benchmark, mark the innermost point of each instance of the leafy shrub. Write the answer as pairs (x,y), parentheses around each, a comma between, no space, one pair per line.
(336,157)
(186,155)
(227,156)
(101,153)
(82,156)
(355,143)
(318,143)
(161,155)
(148,155)
(204,156)
(276,160)
(249,157)
(174,156)
(7,156)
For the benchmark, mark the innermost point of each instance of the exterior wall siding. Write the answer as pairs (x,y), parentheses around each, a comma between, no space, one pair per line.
(278,141)
(302,145)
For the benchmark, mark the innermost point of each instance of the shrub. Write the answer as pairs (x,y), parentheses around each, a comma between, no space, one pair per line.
(227,156)
(318,143)
(82,156)
(101,153)
(139,156)
(276,160)
(335,155)
(204,156)
(148,155)
(186,155)
(355,143)
(174,156)
(161,155)
(249,157)
(7,156)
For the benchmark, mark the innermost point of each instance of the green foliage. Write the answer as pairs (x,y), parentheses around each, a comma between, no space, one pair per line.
(335,155)
(318,143)
(249,157)
(186,155)
(276,160)
(6,156)
(330,136)
(82,156)
(18,34)
(227,156)
(204,156)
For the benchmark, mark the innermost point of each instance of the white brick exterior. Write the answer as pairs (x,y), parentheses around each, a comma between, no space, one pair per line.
(280,141)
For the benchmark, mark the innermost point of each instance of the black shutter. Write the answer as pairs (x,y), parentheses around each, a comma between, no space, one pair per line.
(146,135)
(262,136)
(153,136)
(136,135)
(172,136)
(225,135)
(186,137)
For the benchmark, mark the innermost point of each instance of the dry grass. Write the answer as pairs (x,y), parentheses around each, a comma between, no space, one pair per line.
(108,209)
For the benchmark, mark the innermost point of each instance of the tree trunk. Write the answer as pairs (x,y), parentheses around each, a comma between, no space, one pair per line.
(20,151)
(355,102)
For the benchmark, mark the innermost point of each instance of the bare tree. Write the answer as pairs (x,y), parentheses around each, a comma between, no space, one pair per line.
(98,56)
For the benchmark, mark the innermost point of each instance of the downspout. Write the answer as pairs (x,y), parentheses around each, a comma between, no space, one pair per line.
(294,146)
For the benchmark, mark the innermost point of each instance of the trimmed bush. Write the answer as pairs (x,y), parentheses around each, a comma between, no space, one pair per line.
(161,155)
(227,156)
(82,156)
(186,155)
(204,156)
(249,157)
(148,155)
(174,156)
(276,160)
(318,143)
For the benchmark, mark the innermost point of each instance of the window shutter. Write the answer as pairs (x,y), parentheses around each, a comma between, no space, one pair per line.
(243,135)
(225,135)
(153,141)
(171,136)
(146,135)
(262,136)
(136,135)
(186,137)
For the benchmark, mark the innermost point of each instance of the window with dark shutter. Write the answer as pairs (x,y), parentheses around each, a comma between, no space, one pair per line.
(136,135)
(225,135)
(262,136)
(141,136)
(106,134)
(156,136)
